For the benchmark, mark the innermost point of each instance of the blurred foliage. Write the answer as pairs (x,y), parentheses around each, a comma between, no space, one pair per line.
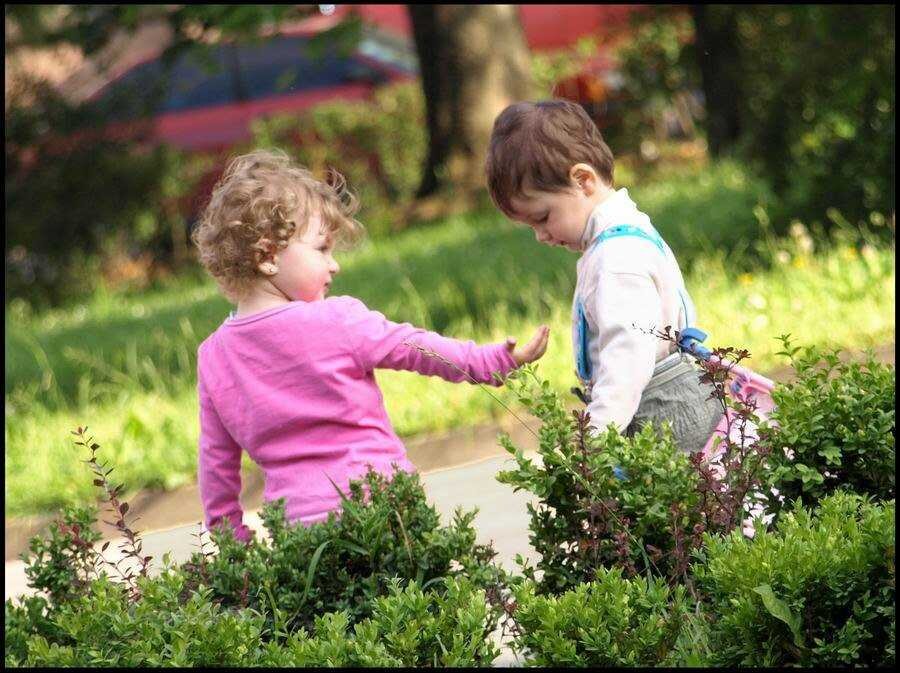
(379,145)
(820,105)
(816,104)
(78,207)
(89,199)
(659,75)
(550,67)
(91,27)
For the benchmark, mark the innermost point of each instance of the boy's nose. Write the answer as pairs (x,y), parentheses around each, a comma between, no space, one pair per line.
(541,236)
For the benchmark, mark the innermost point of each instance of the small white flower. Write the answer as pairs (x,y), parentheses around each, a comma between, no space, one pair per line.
(756,300)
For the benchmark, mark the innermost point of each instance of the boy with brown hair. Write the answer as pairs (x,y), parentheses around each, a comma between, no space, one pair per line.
(549,168)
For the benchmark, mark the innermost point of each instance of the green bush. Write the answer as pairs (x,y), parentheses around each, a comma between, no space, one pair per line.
(218,608)
(379,146)
(837,421)
(30,617)
(408,628)
(605,499)
(62,564)
(166,627)
(819,591)
(346,562)
(611,621)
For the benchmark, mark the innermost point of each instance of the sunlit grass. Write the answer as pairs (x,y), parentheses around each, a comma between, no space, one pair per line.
(125,364)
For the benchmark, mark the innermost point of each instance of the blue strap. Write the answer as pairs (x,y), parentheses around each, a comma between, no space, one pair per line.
(690,341)
(652,236)
(582,361)
(691,336)
(628,230)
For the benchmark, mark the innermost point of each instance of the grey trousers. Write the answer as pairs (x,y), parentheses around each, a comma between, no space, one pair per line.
(676,394)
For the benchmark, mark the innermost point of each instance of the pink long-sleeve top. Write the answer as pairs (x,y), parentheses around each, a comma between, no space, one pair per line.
(294,387)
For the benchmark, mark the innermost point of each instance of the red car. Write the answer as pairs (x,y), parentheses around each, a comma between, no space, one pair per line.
(196,110)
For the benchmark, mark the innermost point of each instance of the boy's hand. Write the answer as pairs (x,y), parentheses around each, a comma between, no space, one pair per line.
(531,351)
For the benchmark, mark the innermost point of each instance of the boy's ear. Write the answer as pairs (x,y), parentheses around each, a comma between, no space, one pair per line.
(585,178)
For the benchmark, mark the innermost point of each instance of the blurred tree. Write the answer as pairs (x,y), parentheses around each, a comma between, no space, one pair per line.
(817,111)
(474,61)
(716,50)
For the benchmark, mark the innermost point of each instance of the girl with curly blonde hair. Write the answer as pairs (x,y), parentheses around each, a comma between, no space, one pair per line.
(289,376)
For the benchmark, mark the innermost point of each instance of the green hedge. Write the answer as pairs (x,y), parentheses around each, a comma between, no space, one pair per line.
(413,591)
(603,499)
(833,427)
(408,628)
(818,591)
(611,621)
(346,562)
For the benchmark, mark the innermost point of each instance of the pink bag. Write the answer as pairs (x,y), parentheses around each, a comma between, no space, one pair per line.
(748,387)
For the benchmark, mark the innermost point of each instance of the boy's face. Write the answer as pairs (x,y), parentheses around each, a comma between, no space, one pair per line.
(559,218)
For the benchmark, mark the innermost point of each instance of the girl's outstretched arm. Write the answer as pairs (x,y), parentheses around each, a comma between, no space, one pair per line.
(379,343)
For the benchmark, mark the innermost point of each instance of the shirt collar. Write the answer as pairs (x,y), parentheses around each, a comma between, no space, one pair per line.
(604,215)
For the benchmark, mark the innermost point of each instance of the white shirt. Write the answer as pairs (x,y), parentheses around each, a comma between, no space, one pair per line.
(625,284)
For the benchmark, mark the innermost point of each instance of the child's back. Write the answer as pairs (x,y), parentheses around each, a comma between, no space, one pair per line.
(295,387)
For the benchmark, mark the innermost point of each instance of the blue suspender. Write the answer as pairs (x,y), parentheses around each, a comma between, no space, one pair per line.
(628,230)
(582,333)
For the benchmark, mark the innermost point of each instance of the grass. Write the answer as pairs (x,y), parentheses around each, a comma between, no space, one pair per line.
(124,363)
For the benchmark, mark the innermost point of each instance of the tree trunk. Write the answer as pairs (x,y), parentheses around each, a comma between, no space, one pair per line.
(715,28)
(473,61)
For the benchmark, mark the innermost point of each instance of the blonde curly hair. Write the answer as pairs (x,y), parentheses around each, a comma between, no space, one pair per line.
(259,203)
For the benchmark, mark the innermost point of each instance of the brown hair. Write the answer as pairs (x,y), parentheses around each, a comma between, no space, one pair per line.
(259,203)
(534,145)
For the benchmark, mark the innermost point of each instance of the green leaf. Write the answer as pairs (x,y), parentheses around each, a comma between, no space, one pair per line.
(780,610)
(311,570)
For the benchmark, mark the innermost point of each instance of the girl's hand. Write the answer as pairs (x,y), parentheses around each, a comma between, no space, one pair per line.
(531,351)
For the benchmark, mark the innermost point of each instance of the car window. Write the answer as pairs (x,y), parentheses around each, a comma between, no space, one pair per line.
(153,88)
(287,65)
(386,49)
(279,65)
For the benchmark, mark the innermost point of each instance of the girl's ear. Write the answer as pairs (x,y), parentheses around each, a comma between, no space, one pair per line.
(268,268)
(585,178)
